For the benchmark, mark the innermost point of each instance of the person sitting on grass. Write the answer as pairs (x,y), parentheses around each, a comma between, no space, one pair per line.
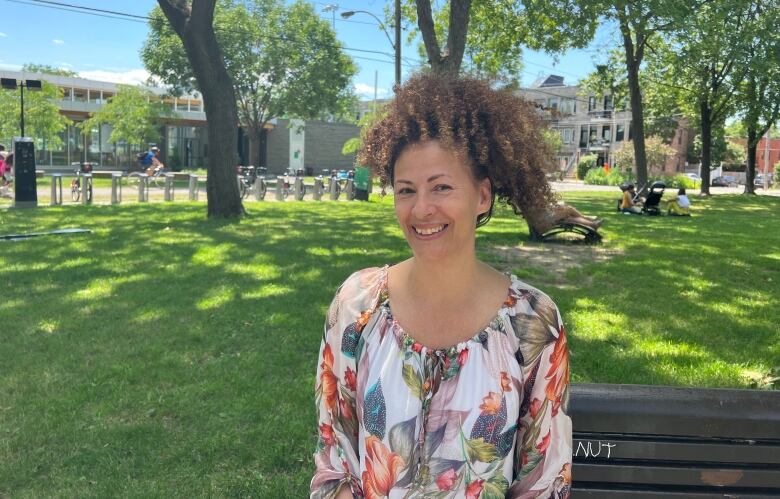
(630,203)
(680,205)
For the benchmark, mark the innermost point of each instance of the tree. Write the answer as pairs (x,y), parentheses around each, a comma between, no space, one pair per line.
(655,148)
(194,25)
(758,94)
(639,22)
(283,61)
(133,113)
(46,69)
(42,118)
(492,47)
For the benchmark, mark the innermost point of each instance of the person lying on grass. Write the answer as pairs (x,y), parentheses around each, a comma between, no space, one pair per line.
(439,375)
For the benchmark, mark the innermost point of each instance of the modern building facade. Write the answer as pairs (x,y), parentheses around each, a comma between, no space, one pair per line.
(589,124)
(183,137)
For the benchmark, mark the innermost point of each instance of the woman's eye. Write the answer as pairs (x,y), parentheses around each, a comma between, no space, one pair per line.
(442,187)
(405,190)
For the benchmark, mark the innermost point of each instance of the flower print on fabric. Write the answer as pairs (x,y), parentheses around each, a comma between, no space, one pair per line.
(485,418)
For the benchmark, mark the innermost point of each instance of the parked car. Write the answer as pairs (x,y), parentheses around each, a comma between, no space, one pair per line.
(759,180)
(725,181)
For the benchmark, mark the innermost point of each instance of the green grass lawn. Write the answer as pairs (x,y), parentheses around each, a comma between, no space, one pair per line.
(169,355)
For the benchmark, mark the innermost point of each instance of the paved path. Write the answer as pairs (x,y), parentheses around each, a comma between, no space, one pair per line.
(130,195)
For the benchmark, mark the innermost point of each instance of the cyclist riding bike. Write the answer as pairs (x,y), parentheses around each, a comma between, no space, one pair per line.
(150,161)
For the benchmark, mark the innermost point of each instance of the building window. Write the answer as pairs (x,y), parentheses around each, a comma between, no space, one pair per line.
(594,133)
(584,137)
(80,95)
(66,93)
(606,133)
(568,106)
(619,133)
(607,102)
(552,103)
(94,96)
(591,103)
(567,135)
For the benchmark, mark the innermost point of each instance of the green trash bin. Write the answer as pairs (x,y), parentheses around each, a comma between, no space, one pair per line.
(362,183)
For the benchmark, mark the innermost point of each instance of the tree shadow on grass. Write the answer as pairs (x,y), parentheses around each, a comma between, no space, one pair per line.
(168,354)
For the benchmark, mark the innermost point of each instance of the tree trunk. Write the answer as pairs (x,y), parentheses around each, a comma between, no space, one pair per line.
(449,60)
(195,27)
(705,112)
(255,139)
(633,61)
(750,172)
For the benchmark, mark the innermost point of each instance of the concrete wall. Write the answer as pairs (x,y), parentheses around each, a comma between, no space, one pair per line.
(323,145)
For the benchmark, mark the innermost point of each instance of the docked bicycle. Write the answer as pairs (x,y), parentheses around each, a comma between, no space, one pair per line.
(75,184)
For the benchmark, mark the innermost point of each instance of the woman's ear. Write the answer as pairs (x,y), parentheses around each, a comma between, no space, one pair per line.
(485,195)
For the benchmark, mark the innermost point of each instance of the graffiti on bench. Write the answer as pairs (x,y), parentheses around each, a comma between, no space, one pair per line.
(593,448)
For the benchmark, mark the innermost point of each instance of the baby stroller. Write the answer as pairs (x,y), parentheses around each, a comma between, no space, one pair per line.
(653,200)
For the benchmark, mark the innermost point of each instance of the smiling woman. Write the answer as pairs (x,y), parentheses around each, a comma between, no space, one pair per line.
(439,375)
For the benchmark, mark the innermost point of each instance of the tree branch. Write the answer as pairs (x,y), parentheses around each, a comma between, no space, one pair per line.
(177,12)
(425,23)
(456,34)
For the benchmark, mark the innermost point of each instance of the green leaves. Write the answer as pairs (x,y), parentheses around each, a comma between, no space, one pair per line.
(479,450)
(133,114)
(495,487)
(42,117)
(412,380)
(284,60)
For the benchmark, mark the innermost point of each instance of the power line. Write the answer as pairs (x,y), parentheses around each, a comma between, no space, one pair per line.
(48,2)
(110,14)
(66,9)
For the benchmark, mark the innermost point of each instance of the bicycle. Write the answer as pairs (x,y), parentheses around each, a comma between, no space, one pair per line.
(247,176)
(157,177)
(75,184)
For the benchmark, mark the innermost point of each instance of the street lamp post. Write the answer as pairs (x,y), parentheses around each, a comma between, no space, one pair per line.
(11,84)
(25,186)
(332,8)
(397,44)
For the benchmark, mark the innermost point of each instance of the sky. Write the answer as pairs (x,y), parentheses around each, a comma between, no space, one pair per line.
(107,48)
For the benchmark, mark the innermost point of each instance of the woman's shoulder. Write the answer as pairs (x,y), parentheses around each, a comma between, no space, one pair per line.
(363,281)
(535,321)
(358,293)
(526,299)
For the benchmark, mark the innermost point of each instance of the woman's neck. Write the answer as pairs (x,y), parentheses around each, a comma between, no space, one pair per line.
(442,282)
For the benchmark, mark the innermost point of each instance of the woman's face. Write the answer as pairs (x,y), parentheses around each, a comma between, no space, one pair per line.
(437,201)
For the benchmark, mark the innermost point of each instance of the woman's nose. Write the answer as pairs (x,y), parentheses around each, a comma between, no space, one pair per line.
(423,206)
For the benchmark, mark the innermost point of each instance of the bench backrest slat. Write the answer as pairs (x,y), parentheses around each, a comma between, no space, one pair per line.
(649,441)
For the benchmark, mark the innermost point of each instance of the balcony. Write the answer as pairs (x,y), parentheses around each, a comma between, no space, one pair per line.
(600,115)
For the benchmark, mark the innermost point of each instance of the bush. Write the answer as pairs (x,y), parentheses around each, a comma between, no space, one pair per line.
(597,176)
(676,182)
(586,163)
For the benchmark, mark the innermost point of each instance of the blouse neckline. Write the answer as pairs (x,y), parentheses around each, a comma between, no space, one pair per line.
(407,341)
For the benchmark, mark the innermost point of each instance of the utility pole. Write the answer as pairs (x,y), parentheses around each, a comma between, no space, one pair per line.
(766,158)
(397,46)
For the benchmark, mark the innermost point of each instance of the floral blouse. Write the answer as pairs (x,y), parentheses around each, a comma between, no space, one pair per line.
(486,418)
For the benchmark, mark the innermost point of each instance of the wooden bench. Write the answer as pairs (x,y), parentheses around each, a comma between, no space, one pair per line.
(651,442)
(590,236)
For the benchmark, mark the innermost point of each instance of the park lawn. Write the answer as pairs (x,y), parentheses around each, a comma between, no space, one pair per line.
(170,355)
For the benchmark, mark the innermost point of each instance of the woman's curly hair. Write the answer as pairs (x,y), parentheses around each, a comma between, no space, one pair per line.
(495,131)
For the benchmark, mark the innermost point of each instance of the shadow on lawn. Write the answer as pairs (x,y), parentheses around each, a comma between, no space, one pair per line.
(188,344)
(171,354)
(703,286)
